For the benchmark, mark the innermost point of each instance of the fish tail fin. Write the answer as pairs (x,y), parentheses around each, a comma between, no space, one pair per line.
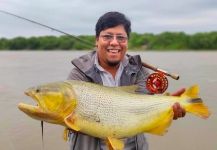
(195,104)
(197,107)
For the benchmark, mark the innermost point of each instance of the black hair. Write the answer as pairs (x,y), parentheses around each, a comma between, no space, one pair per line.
(112,19)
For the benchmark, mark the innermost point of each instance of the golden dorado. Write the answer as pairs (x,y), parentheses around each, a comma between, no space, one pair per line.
(109,113)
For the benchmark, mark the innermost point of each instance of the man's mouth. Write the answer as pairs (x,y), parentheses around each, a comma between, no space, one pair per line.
(113,50)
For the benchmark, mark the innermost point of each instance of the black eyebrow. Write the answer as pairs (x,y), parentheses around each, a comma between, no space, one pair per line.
(110,33)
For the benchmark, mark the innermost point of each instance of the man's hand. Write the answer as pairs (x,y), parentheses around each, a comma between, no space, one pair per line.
(177,109)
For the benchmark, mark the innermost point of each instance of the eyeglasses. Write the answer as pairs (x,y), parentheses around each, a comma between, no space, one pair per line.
(109,38)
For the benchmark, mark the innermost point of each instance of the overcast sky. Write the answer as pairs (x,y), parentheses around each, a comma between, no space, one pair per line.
(79,17)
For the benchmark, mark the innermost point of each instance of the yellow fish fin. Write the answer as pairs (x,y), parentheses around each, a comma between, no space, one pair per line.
(162,126)
(109,147)
(194,103)
(128,89)
(70,122)
(65,134)
(114,144)
(197,108)
(192,92)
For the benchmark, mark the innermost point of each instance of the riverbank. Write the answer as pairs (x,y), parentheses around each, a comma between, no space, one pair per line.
(146,41)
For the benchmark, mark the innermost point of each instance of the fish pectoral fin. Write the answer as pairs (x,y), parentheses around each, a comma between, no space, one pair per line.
(128,89)
(163,124)
(70,122)
(114,144)
(65,134)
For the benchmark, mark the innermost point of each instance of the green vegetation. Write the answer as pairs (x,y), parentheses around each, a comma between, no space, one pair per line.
(146,41)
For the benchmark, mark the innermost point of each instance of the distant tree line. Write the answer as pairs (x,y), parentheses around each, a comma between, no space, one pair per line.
(45,43)
(146,41)
(174,41)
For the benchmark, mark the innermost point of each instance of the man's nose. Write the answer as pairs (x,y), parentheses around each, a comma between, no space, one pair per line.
(114,41)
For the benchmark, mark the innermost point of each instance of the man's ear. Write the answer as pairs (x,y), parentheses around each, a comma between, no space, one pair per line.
(96,41)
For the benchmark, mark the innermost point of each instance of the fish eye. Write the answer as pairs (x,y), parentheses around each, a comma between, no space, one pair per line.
(37,91)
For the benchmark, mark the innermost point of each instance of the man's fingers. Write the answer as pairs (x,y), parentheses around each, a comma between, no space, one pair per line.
(178,111)
(179,92)
(175,111)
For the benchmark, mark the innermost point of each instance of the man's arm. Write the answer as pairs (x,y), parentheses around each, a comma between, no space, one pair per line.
(76,74)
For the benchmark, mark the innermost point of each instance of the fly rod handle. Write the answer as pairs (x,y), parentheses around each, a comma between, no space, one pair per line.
(172,75)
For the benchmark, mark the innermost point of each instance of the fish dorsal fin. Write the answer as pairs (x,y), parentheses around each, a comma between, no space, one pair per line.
(128,89)
(192,92)
(114,144)
(70,122)
(163,124)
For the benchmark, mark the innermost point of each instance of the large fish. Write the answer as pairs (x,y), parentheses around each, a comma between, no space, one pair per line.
(110,113)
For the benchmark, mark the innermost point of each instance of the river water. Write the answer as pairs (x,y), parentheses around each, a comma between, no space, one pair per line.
(23,69)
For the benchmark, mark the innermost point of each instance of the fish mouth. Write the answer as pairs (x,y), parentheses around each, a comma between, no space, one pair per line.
(30,110)
(37,113)
(31,94)
(27,93)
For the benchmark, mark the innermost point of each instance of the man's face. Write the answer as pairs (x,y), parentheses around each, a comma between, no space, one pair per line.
(112,45)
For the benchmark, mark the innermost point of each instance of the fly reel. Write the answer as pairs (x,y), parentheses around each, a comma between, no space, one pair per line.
(157,83)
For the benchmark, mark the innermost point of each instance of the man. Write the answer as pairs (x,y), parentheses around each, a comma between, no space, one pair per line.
(109,65)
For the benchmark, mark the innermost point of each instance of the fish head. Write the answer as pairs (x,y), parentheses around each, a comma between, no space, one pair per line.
(54,101)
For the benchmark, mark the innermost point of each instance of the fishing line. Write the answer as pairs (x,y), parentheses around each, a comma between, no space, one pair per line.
(46,26)
(42,134)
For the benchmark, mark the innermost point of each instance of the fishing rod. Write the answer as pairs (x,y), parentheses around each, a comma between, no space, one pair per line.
(156,82)
(46,26)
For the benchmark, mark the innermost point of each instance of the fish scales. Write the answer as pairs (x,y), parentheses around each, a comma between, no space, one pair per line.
(116,110)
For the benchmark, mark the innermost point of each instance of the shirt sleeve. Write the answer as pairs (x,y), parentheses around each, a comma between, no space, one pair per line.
(75,74)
